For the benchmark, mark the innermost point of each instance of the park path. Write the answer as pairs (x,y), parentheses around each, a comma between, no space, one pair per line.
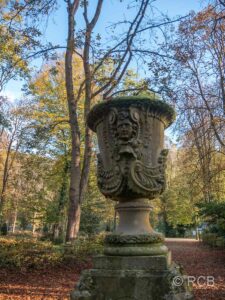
(200,260)
(55,283)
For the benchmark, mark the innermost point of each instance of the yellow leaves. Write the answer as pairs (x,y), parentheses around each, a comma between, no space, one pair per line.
(49,92)
(10,50)
(51,81)
(13,41)
(9,16)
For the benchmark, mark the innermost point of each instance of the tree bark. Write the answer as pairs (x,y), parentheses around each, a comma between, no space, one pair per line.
(79,178)
(88,93)
(34,225)
(75,174)
(15,220)
(6,172)
(59,224)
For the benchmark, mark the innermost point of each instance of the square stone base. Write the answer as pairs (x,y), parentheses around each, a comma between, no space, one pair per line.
(148,263)
(132,278)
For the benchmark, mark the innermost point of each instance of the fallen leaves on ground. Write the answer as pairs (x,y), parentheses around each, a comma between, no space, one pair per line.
(56,283)
(200,260)
(53,283)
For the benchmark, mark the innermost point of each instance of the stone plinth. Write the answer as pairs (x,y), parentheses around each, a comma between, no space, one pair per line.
(147,263)
(131,278)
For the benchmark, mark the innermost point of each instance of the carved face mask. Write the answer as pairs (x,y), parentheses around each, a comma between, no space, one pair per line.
(124,130)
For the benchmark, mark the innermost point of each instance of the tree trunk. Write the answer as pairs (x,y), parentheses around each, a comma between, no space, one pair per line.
(7,167)
(5,176)
(14,221)
(60,218)
(55,231)
(75,175)
(79,179)
(34,225)
(88,91)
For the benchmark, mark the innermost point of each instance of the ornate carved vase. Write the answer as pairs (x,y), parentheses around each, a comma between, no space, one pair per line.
(136,265)
(130,131)
(131,165)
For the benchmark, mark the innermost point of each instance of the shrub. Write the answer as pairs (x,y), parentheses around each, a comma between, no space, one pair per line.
(209,238)
(28,253)
(4,229)
(220,242)
(214,214)
(84,247)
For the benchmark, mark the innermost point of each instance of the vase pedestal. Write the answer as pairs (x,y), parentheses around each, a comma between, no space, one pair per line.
(136,265)
(134,235)
(132,278)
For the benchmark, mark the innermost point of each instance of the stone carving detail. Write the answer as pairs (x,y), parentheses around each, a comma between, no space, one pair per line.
(148,180)
(85,283)
(125,130)
(134,239)
(110,182)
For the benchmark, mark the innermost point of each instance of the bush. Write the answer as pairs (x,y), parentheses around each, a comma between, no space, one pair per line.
(214,214)
(84,247)
(4,229)
(209,238)
(220,242)
(27,253)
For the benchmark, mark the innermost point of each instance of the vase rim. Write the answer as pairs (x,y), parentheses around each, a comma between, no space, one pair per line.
(157,108)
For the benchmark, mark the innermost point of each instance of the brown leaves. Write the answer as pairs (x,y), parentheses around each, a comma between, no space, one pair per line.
(52,283)
(199,260)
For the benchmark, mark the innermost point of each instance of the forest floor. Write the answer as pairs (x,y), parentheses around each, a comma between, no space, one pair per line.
(56,283)
(201,263)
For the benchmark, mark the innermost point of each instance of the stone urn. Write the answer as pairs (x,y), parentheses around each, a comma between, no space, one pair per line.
(136,265)
(131,167)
